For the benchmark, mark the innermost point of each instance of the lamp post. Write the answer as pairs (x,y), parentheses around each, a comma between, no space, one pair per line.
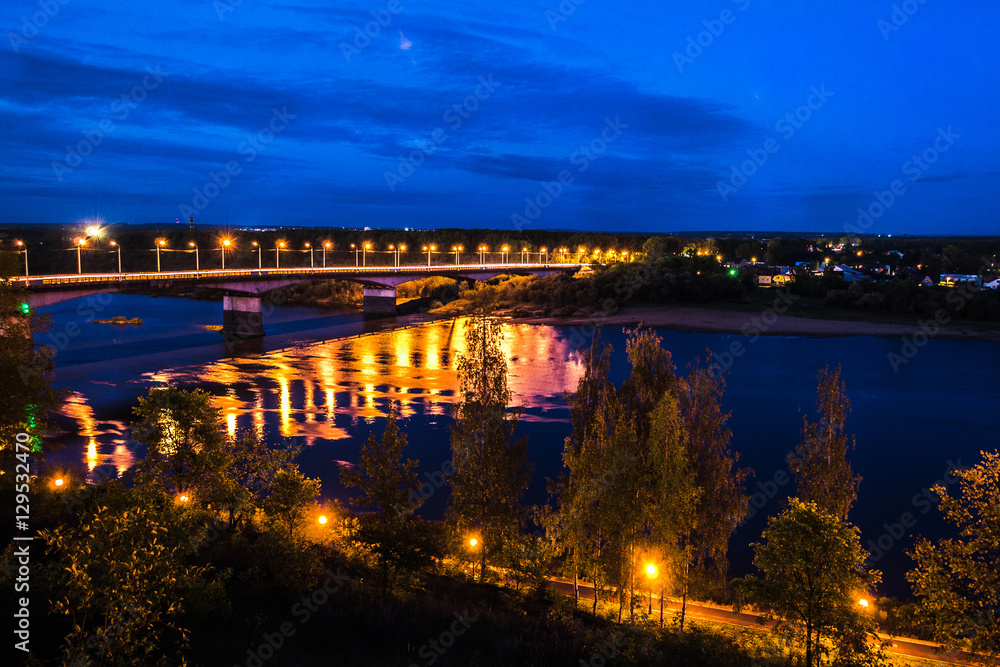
(260,254)
(79,263)
(277,254)
(356,251)
(505,254)
(197,260)
(20,244)
(119,248)
(544,251)
(312,264)
(159,244)
(482,254)
(326,245)
(395,257)
(400,249)
(429,249)
(457,249)
(472,547)
(524,255)
(222,251)
(364,254)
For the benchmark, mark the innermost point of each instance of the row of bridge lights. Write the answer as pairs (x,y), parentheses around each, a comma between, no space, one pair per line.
(360,252)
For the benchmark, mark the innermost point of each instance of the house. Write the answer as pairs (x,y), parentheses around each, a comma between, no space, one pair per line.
(952,279)
(764,280)
(850,275)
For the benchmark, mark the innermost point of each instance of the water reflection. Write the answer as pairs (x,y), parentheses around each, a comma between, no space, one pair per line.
(321,391)
(113,446)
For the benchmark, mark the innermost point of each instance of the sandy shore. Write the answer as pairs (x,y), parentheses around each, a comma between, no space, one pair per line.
(766,322)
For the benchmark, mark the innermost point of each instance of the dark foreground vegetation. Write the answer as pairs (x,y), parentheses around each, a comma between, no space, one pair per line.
(217,550)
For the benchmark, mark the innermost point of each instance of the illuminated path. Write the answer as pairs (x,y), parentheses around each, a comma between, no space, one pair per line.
(912,648)
(242,314)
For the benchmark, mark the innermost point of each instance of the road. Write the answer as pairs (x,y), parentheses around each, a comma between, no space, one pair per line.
(911,648)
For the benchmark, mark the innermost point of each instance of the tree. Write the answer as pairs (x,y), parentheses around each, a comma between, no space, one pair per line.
(182,431)
(387,483)
(957,578)
(290,494)
(26,393)
(722,501)
(813,569)
(491,466)
(822,472)
(122,582)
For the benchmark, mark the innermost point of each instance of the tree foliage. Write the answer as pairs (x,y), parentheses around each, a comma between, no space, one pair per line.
(491,465)
(813,570)
(957,578)
(822,472)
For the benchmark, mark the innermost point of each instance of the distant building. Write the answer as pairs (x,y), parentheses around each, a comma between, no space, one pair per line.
(952,279)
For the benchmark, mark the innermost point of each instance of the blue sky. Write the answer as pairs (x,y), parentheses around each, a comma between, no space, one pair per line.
(585,114)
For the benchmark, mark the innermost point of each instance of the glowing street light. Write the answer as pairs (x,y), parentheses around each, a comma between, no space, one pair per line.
(94,230)
(651,574)
(277,254)
(544,251)
(119,248)
(457,249)
(58,481)
(159,244)
(197,260)
(223,247)
(312,264)
(322,520)
(79,245)
(364,254)
(524,255)
(20,244)
(504,254)
(326,246)
(356,251)
(260,254)
(183,498)
(473,542)
(864,604)
(429,249)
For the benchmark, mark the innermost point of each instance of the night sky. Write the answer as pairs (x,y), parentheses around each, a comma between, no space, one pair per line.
(646,116)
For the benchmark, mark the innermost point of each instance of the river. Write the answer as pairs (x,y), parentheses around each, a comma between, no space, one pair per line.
(323,380)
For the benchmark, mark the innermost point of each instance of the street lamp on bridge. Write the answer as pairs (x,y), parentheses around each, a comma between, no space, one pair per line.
(312,264)
(20,244)
(326,245)
(504,254)
(364,254)
(543,251)
(524,255)
(277,254)
(159,244)
(260,254)
(119,249)
(356,251)
(197,260)
(457,249)
(482,254)
(429,249)
(223,247)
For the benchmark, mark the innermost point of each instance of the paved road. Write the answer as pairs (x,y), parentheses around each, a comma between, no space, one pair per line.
(905,647)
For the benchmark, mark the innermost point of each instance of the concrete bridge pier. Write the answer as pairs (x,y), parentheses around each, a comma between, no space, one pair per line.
(241,317)
(379,301)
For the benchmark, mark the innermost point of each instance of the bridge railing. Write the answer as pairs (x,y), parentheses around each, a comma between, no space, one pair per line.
(72,279)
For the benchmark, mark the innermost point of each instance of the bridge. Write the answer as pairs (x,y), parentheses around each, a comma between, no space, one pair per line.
(242,289)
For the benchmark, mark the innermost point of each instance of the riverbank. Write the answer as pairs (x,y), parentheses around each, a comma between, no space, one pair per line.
(766,321)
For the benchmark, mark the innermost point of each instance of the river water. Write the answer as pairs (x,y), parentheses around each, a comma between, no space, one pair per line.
(323,380)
